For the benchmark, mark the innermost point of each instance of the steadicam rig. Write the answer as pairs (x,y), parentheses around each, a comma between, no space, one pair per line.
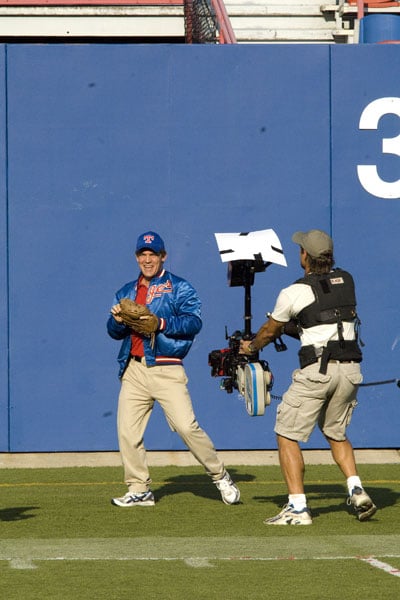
(249,375)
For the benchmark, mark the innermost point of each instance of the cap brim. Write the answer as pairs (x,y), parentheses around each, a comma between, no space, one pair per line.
(145,248)
(298,237)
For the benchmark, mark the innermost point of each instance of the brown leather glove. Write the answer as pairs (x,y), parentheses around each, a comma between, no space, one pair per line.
(138,317)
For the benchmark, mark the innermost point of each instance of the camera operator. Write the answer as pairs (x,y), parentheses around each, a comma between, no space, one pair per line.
(320,308)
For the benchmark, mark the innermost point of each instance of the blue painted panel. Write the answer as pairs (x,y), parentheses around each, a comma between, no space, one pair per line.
(189,141)
(133,140)
(366,229)
(3,259)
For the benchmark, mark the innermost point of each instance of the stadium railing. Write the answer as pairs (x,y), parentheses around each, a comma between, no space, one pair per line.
(206,21)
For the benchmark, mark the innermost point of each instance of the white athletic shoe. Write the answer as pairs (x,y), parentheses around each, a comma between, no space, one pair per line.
(289,516)
(131,499)
(230,493)
(362,504)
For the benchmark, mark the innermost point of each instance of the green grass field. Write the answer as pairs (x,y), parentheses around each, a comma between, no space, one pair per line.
(61,539)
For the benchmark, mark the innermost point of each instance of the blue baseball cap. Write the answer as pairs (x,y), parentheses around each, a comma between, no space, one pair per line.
(150,241)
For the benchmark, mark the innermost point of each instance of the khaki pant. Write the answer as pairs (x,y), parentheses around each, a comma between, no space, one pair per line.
(141,387)
(327,399)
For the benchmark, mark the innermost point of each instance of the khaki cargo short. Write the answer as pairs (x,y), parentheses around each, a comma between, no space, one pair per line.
(312,398)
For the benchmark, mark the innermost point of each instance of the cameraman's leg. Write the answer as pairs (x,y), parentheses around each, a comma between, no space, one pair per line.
(295,511)
(334,423)
(337,414)
(292,464)
(343,456)
(296,418)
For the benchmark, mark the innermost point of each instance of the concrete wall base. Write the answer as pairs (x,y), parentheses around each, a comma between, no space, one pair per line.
(182,458)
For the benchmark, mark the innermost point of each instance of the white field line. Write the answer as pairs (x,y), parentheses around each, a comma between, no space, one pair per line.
(203,552)
(383,566)
(209,562)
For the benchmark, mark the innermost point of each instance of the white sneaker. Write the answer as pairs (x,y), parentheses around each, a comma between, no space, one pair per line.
(289,516)
(230,493)
(362,504)
(131,499)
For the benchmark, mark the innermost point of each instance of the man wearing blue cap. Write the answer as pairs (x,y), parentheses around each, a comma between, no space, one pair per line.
(151,370)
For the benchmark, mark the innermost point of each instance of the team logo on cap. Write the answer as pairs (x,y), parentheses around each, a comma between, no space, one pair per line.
(148,239)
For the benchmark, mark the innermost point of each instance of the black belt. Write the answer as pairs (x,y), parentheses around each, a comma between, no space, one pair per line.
(333,351)
(137,358)
(341,361)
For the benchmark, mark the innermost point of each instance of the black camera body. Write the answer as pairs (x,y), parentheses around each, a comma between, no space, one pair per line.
(225,362)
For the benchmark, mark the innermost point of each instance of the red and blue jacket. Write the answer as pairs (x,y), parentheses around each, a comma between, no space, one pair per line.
(178,308)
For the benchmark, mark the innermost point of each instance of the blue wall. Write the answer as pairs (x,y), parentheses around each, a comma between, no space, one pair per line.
(101,142)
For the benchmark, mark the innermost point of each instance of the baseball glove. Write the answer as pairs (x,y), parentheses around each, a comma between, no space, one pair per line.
(138,317)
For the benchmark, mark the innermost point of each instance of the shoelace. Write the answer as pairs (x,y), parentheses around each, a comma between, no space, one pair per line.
(224,483)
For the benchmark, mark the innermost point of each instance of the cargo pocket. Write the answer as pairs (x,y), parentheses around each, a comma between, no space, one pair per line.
(286,413)
(354,378)
(310,384)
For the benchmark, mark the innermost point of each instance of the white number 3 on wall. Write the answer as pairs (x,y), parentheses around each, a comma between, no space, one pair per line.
(368,174)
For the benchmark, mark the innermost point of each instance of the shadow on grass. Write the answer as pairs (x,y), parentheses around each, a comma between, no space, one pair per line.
(382,497)
(199,485)
(318,496)
(17,513)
